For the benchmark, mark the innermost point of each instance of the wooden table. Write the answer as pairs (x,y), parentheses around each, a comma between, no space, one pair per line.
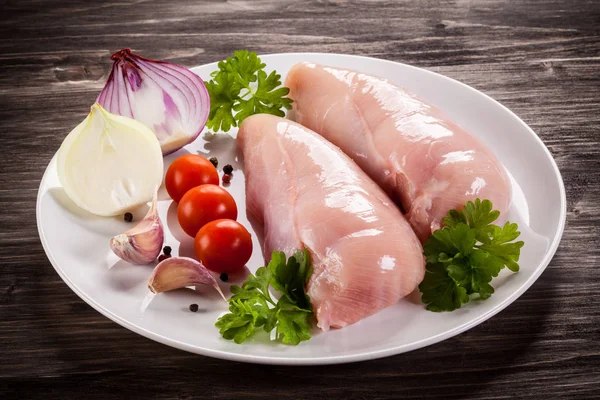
(539,58)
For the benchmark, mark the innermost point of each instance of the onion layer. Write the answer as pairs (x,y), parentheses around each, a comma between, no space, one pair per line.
(170,99)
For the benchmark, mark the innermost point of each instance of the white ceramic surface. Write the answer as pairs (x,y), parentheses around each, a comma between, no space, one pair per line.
(76,242)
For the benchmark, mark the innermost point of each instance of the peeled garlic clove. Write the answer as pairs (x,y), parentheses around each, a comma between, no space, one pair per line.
(142,243)
(179,272)
(109,164)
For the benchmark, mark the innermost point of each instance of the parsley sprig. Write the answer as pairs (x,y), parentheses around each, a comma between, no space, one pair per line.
(252,307)
(241,88)
(466,254)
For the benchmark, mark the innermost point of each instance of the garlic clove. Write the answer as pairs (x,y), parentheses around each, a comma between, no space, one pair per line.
(179,272)
(142,243)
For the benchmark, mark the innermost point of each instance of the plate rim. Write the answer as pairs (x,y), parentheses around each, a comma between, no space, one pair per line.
(325,360)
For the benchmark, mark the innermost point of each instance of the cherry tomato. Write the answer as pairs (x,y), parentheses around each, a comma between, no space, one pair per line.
(223,245)
(187,172)
(203,204)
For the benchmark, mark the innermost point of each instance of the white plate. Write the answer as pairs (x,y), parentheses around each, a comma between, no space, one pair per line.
(77,242)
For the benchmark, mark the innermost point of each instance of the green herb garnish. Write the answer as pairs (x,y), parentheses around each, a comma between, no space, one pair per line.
(464,256)
(241,88)
(252,306)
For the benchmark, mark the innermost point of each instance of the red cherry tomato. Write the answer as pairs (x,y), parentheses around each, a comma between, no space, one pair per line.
(223,245)
(203,204)
(187,172)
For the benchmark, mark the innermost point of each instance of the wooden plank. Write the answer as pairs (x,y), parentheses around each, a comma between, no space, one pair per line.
(539,58)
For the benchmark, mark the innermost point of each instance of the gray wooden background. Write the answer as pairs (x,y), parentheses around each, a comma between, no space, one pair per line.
(540,58)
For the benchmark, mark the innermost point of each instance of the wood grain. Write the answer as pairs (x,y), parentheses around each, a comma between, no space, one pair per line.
(539,58)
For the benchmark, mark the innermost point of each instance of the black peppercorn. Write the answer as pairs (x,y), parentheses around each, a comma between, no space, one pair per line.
(128,217)
(193,307)
(228,169)
(167,250)
(214,161)
(224,277)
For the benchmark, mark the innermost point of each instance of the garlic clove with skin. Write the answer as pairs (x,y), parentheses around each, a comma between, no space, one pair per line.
(179,272)
(142,243)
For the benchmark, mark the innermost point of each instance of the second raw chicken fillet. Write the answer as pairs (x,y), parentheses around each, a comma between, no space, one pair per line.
(308,194)
(410,148)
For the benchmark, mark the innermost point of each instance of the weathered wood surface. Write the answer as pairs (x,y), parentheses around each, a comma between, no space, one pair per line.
(539,58)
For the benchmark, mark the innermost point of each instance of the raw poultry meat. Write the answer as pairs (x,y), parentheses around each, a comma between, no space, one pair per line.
(425,162)
(306,193)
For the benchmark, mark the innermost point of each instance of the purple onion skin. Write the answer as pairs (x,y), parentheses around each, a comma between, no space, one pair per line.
(130,65)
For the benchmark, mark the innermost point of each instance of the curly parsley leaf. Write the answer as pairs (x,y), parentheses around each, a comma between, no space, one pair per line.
(294,323)
(241,88)
(440,292)
(257,284)
(252,307)
(243,318)
(242,67)
(466,254)
(291,277)
(223,92)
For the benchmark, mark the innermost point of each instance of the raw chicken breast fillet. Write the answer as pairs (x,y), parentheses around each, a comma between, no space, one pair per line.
(425,162)
(306,193)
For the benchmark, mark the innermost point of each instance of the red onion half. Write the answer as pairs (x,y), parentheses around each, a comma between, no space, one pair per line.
(168,98)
